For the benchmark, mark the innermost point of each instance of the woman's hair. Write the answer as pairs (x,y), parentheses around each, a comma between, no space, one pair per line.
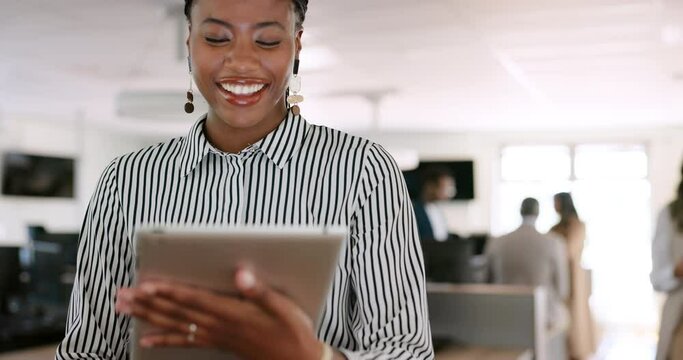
(300,8)
(567,210)
(676,206)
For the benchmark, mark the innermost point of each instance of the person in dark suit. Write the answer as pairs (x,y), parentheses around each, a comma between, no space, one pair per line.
(438,184)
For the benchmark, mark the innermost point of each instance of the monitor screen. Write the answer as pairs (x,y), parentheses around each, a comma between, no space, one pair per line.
(10,270)
(37,176)
(52,267)
(462,172)
(449,261)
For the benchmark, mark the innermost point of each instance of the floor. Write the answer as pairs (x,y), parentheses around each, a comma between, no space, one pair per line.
(42,353)
(627,345)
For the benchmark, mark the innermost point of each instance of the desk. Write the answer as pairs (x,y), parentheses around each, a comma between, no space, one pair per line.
(39,353)
(481,353)
(493,317)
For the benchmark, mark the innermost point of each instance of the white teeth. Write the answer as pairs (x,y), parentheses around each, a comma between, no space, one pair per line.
(242,89)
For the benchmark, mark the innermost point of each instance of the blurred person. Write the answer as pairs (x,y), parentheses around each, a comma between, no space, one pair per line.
(528,257)
(667,275)
(253,160)
(582,342)
(438,184)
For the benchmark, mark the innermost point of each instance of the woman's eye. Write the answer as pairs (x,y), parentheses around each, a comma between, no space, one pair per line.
(268,43)
(216,40)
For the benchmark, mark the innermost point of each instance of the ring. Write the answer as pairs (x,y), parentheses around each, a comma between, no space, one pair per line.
(193,332)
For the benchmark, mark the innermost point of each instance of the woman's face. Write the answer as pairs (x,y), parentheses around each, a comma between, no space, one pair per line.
(242,54)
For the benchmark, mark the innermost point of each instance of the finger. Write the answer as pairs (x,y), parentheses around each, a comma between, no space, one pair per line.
(253,289)
(141,310)
(123,300)
(172,340)
(164,311)
(225,307)
(139,304)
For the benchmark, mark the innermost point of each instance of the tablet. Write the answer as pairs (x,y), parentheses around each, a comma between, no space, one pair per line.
(298,261)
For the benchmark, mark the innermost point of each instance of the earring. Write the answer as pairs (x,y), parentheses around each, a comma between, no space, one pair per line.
(189,105)
(294,87)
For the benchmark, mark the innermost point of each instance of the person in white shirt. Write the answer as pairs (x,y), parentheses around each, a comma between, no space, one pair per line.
(667,275)
(438,184)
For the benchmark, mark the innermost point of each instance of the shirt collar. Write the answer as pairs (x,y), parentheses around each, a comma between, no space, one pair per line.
(279,145)
(283,142)
(194,148)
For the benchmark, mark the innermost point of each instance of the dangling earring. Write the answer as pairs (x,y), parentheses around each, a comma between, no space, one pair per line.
(189,106)
(294,87)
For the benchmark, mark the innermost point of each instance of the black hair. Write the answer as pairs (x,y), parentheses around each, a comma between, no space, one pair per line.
(530,207)
(433,174)
(300,8)
(676,207)
(567,210)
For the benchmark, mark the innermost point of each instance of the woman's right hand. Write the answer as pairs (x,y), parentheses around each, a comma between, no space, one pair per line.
(678,270)
(260,324)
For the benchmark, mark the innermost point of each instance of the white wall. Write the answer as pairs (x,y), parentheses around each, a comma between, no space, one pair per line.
(92,144)
(665,148)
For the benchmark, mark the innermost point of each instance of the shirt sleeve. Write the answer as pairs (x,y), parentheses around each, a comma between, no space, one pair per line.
(105,262)
(390,318)
(663,263)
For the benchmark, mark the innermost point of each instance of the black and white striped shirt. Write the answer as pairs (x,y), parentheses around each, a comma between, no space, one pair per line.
(298,174)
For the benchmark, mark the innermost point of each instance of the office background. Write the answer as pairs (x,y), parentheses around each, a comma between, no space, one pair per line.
(492,82)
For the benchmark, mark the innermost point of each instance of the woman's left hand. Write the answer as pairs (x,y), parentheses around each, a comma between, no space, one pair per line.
(263,324)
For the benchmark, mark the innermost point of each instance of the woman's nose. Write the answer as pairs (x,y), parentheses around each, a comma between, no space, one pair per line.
(242,57)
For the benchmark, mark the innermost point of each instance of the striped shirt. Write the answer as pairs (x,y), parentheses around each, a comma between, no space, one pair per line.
(298,174)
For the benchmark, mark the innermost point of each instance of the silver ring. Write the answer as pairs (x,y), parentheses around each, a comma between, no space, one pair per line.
(193,332)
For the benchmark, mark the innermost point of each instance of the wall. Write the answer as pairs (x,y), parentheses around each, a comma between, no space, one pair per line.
(92,144)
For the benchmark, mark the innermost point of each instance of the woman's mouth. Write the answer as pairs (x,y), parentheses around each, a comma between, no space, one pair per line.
(242,92)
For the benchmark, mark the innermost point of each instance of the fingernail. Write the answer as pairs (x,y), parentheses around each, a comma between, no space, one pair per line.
(146,343)
(149,289)
(247,279)
(125,295)
(124,308)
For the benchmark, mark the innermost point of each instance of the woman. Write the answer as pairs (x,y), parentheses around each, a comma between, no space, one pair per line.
(573,231)
(667,272)
(252,160)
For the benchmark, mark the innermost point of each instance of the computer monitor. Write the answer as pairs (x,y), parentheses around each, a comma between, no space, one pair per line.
(37,176)
(448,261)
(10,272)
(461,171)
(52,268)
(479,242)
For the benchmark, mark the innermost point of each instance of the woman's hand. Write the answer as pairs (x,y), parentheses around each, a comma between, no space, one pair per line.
(264,324)
(678,270)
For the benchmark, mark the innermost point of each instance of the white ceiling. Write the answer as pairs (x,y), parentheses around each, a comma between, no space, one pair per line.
(447,65)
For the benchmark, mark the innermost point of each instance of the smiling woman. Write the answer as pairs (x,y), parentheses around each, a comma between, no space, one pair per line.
(242,60)
(253,160)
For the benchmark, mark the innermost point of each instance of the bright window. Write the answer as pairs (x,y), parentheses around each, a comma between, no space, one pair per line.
(610,186)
